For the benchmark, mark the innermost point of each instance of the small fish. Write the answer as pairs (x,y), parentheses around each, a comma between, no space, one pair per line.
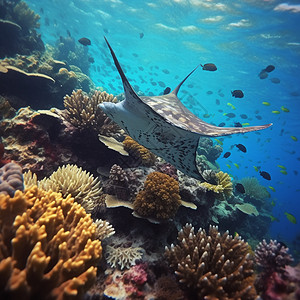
(274,219)
(266,103)
(84,41)
(240,188)
(265,175)
(275,80)
(209,92)
(281,167)
(241,147)
(273,203)
(276,112)
(219,142)
(294,138)
(68,33)
(263,75)
(256,168)
(226,154)
(228,166)
(291,218)
(91,59)
(271,188)
(284,109)
(222,124)
(236,165)
(243,116)
(217,101)
(269,68)
(284,172)
(206,115)
(141,35)
(246,124)
(237,94)
(237,124)
(231,105)
(258,117)
(229,115)
(167,90)
(209,67)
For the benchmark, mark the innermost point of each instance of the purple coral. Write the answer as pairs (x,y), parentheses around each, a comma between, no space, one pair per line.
(272,257)
(11,179)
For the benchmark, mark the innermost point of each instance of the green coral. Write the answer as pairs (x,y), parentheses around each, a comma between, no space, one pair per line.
(253,189)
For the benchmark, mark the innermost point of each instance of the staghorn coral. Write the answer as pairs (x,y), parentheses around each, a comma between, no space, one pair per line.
(70,179)
(253,189)
(212,266)
(11,179)
(123,257)
(160,197)
(272,257)
(139,152)
(104,230)
(48,247)
(222,188)
(83,111)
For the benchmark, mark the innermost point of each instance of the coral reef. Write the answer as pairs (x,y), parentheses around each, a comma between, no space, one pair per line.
(222,187)
(81,185)
(168,169)
(11,179)
(254,190)
(212,266)
(83,112)
(123,257)
(208,149)
(48,247)
(104,230)
(160,197)
(139,152)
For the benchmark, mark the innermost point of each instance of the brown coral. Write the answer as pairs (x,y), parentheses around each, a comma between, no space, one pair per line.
(139,152)
(48,247)
(160,197)
(83,111)
(222,188)
(212,266)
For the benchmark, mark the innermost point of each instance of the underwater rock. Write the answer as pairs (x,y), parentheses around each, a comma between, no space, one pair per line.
(207,148)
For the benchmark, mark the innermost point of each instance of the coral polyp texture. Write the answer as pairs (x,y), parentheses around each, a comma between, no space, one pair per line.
(48,246)
(71,179)
(159,198)
(222,188)
(213,265)
(83,112)
(139,152)
(272,256)
(11,179)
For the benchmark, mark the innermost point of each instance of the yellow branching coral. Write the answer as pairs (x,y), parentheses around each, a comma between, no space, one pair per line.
(223,187)
(138,151)
(48,246)
(160,197)
(71,179)
(212,266)
(83,111)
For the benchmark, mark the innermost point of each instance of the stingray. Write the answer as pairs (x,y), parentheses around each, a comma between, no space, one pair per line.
(164,125)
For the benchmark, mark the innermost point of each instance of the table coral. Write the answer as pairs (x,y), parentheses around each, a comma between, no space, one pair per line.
(213,265)
(160,197)
(48,247)
(138,151)
(11,179)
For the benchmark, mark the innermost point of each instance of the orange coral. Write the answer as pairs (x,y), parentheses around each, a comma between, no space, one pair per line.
(48,246)
(160,197)
(138,151)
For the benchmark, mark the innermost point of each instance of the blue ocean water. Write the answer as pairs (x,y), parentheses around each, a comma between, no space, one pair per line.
(159,42)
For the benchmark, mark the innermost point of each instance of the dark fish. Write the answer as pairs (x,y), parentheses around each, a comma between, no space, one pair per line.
(84,41)
(209,67)
(275,80)
(269,68)
(258,117)
(141,35)
(91,59)
(226,155)
(241,147)
(263,75)
(221,124)
(243,116)
(105,30)
(161,84)
(237,94)
(265,175)
(209,92)
(230,115)
(217,101)
(240,188)
(237,124)
(69,33)
(166,71)
(167,90)
(41,10)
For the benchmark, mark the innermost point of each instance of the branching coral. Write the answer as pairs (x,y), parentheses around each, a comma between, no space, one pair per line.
(222,188)
(25,16)
(104,229)
(48,246)
(138,151)
(160,197)
(11,179)
(71,179)
(123,257)
(212,266)
(83,111)
(253,189)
